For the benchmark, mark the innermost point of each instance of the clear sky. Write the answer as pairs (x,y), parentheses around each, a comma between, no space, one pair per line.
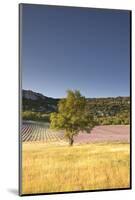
(75,48)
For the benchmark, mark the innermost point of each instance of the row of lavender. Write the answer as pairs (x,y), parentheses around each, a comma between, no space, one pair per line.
(33,132)
(38,132)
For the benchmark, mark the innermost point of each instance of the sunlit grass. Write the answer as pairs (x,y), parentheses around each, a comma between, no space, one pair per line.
(53,168)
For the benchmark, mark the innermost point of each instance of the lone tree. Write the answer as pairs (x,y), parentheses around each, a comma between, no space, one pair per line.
(72,116)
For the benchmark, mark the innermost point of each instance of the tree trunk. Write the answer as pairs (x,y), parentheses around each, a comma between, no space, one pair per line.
(71,141)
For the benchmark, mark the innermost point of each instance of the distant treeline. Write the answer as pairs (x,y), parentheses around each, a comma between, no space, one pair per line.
(110,110)
(35,116)
(105,110)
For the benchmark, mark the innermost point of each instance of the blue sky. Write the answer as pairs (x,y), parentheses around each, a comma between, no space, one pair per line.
(75,48)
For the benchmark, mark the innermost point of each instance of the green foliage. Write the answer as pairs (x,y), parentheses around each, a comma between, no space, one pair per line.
(106,111)
(72,115)
(121,118)
(109,106)
(46,105)
(35,116)
(110,111)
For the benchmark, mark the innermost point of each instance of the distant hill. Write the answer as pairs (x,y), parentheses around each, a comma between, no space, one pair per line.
(37,102)
(110,110)
(109,106)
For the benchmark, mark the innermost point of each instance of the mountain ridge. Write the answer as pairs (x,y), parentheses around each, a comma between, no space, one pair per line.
(40,95)
(116,110)
(37,102)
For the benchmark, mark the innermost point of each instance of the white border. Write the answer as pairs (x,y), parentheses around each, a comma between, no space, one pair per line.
(9,98)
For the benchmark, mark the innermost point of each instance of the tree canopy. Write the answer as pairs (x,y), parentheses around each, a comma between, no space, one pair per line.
(72,115)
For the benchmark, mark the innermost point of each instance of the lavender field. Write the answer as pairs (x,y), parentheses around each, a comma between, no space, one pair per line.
(38,132)
(98,158)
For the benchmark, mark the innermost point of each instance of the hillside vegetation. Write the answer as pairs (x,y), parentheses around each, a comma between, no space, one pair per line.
(106,111)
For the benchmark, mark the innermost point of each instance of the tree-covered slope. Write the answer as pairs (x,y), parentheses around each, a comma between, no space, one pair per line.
(111,110)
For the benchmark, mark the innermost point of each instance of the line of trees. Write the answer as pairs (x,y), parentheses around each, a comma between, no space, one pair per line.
(35,116)
(119,119)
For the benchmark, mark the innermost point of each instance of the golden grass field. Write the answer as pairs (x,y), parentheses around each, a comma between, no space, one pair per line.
(50,167)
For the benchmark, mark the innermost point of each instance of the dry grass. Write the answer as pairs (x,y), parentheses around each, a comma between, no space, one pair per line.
(53,168)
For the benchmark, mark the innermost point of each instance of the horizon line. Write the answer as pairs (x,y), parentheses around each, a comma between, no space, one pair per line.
(74,90)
